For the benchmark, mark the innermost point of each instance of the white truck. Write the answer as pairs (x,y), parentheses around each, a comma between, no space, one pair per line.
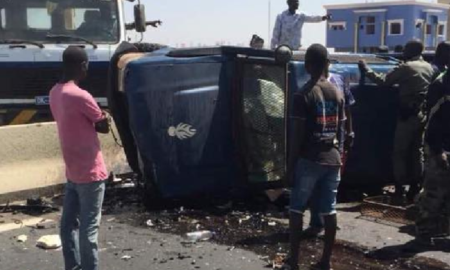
(33,36)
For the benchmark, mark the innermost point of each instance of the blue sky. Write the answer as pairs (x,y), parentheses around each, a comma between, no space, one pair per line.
(195,22)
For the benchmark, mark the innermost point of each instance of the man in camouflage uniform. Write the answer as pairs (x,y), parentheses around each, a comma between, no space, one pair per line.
(413,79)
(434,201)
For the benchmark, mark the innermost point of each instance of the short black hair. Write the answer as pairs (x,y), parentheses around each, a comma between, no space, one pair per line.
(74,55)
(317,55)
(443,49)
(414,48)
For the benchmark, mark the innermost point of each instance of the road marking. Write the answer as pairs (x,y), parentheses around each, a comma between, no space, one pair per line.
(23,117)
(23,223)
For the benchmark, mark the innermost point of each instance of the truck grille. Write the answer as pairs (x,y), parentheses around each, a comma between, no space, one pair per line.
(27,82)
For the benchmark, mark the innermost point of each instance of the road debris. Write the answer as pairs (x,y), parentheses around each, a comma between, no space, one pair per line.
(126,257)
(199,236)
(22,238)
(33,205)
(46,224)
(280,259)
(49,242)
(272,223)
(150,223)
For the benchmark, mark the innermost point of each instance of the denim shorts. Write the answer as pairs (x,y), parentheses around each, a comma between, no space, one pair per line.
(316,182)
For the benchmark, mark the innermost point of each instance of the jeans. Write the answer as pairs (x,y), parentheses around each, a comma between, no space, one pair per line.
(80,222)
(318,182)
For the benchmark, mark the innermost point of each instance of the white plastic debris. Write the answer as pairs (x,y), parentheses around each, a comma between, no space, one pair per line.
(199,236)
(272,224)
(22,238)
(126,257)
(49,242)
(150,223)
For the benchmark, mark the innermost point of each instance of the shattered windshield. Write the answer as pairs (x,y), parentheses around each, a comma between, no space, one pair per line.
(35,20)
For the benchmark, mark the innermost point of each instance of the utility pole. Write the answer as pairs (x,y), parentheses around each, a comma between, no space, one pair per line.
(269,23)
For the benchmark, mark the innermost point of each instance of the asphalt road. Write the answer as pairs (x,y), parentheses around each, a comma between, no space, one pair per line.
(148,250)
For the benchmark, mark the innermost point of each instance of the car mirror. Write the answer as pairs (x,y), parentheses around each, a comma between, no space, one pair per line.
(139,18)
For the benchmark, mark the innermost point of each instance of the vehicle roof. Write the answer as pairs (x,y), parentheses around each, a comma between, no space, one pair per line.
(346,58)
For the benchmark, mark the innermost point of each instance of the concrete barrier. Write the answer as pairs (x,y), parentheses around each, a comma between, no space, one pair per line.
(30,157)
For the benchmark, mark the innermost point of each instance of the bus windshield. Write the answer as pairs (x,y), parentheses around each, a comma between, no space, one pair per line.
(36,20)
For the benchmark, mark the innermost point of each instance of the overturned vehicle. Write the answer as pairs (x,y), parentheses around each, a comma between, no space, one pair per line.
(206,121)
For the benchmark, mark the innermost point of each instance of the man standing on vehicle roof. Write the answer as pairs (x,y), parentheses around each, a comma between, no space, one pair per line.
(78,119)
(413,78)
(289,25)
(315,158)
(434,201)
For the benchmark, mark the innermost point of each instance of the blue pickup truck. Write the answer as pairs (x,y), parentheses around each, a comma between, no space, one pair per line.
(209,120)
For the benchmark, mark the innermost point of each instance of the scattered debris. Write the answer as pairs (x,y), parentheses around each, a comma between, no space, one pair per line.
(33,205)
(199,236)
(246,218)
(126,257)
(150,223)
(46,224)
(49,242)
(22,238)
(272,223)
(279,260)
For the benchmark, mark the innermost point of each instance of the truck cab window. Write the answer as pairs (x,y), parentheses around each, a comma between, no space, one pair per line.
(37,19)
(34,20)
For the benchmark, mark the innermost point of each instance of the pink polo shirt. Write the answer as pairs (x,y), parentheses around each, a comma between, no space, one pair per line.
(76,112)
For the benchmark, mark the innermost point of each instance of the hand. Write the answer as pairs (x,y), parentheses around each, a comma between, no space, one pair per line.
(156,23)
(363,68)
(442,161)
(327,17)
(348,143)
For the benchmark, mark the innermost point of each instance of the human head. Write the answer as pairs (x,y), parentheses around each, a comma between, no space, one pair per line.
(413,48)
(293,4)
(75,63)
(398,49)
(442,56)
(316,60)
(257,42)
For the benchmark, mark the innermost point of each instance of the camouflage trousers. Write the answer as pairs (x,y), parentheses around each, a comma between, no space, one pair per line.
(434,201)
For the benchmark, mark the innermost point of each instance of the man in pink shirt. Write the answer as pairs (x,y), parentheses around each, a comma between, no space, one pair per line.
(79,118)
